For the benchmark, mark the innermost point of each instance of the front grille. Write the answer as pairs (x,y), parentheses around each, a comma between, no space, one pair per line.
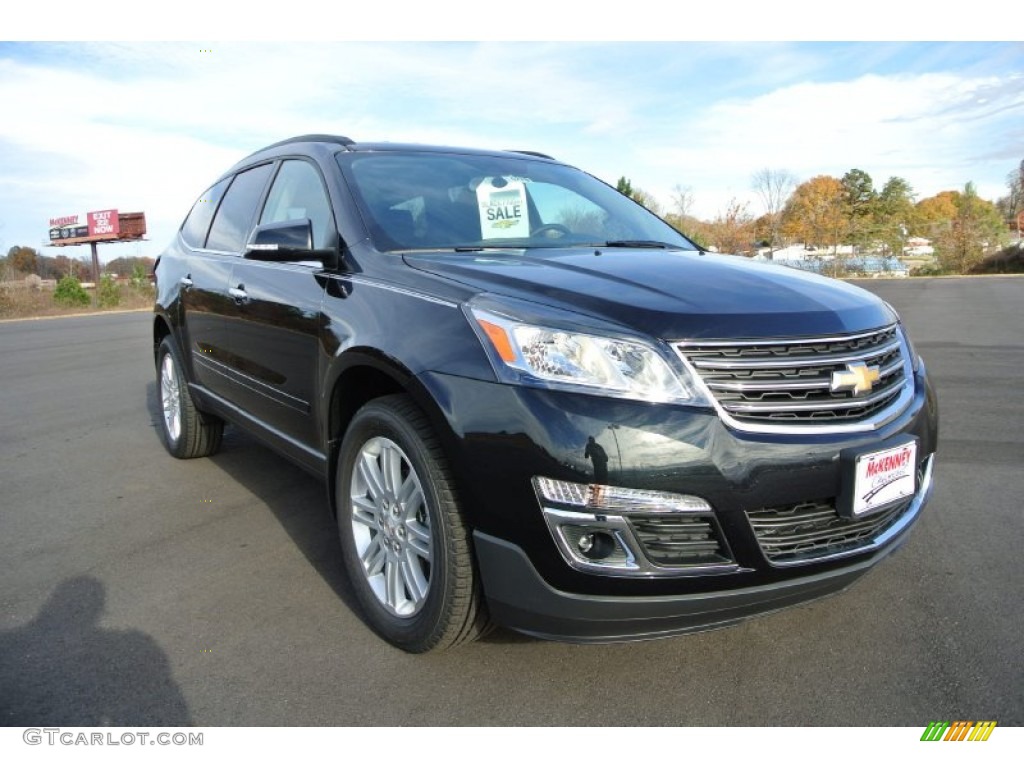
(679,541)
(814,530)
(766,383)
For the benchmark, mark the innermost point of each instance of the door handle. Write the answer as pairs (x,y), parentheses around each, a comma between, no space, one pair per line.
(238,294)
(186,281)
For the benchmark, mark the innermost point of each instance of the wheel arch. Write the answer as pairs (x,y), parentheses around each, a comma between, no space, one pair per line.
(362,375)
(161,330)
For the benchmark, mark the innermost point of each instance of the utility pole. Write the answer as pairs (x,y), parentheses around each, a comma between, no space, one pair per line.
(95,263)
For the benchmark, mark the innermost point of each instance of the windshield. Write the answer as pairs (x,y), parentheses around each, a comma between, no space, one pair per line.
(429,200)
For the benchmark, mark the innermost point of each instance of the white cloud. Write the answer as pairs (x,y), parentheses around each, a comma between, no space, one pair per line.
(147,126)
(935,130)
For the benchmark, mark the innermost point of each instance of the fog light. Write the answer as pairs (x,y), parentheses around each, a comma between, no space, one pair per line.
(586,541)
(597,545)
(592,528)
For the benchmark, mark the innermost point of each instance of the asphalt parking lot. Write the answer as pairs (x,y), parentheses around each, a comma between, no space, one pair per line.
(141,590)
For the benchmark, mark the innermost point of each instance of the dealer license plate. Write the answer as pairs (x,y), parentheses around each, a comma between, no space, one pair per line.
(883,477)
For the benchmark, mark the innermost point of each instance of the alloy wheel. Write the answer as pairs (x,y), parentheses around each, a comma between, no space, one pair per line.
(391,526)
(170,395)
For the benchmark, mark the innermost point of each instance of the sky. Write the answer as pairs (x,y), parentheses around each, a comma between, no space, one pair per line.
(148,125)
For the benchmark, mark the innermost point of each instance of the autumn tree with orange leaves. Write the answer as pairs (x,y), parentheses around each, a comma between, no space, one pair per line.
(816,213)
(975,226)
(732,230)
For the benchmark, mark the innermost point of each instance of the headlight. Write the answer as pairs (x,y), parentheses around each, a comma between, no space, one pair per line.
(527,353)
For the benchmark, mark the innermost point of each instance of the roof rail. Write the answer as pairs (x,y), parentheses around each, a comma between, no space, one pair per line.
(530,152)
(324,138)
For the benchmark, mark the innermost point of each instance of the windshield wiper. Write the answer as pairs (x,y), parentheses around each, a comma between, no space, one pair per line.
(639,244)
(474,248)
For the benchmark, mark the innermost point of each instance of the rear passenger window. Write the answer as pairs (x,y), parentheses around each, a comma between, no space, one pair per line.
(197,223)
(298,193)
(237,211)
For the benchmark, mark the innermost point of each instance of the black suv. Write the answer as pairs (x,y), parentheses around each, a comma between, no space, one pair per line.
(534,402)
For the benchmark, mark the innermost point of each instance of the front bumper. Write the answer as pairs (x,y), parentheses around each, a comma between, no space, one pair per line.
(518,596)
(500,437)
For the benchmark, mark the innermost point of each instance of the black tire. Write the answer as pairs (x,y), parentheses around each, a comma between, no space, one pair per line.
(188,432)
(386,527)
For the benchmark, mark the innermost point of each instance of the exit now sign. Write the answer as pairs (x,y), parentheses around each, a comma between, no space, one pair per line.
(103,223)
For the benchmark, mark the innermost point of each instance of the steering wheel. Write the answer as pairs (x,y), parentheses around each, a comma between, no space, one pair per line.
(551,231)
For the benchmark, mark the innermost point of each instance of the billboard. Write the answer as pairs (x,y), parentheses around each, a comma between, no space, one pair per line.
(95,225)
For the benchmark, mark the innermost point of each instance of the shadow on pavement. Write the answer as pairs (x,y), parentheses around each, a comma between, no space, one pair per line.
(63,669)
(299,502)
(296,498)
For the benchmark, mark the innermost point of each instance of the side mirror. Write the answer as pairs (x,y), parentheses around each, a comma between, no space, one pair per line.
(288,241)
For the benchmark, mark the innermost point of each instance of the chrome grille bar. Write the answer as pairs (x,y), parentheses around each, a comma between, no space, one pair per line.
(796,362)
(849,403)
(786,385)
(771,385)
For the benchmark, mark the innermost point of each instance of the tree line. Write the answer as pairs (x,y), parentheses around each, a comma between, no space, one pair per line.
(22,261)
(823,212)
(827,212)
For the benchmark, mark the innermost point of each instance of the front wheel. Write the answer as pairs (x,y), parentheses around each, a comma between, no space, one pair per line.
(407,551)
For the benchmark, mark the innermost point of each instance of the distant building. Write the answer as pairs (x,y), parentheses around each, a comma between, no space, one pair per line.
(819,260)
(919,248)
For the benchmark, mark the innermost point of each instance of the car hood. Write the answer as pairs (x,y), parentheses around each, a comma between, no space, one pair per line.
(668,294)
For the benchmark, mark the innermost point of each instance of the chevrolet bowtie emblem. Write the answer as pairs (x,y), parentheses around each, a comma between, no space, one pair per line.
(857,378)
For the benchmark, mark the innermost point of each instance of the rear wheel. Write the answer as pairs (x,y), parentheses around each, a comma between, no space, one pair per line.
(407,550)
(188,433)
